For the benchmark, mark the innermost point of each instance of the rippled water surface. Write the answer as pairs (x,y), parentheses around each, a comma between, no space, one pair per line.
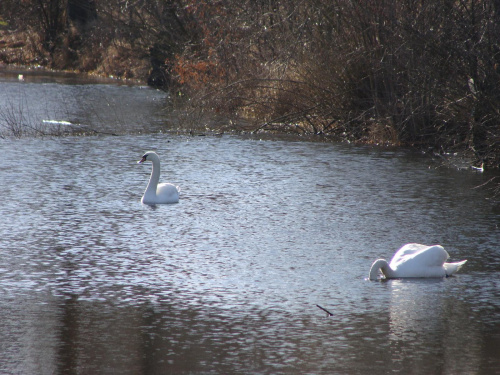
(228,279)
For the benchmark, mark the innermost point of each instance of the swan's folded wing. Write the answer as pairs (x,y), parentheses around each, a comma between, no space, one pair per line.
(416,255)
(167,193)
(406,252)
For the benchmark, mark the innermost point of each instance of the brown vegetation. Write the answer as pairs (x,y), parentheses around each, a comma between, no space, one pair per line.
(406,72)
(400,72)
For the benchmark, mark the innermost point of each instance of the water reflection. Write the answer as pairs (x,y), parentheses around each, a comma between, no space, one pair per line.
(417,308)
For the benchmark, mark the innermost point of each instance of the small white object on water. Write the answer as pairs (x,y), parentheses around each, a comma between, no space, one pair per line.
(478,169)
(56,122)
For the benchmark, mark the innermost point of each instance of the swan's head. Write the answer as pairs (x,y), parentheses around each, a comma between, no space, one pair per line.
(379,265)
(148,156)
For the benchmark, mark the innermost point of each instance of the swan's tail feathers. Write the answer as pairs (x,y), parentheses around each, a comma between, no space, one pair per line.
(451,268)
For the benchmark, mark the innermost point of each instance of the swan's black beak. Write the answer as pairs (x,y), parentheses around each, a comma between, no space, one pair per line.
(142,160)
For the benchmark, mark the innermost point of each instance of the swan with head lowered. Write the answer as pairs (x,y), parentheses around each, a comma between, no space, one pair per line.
(157,193)
(416,260)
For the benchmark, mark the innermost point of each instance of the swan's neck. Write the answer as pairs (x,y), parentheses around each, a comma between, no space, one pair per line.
(381,265)
(154,179)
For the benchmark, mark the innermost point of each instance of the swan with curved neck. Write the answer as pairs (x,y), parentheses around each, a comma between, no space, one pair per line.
(157,193)
(416,260)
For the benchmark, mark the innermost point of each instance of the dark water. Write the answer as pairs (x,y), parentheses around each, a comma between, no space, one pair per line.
(228,279)
(45,103)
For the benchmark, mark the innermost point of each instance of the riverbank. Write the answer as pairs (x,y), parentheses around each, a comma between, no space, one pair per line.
(22,50)
(378,74)
(196,120)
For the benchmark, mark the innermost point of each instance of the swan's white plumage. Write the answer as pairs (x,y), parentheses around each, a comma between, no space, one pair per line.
(416,260)
(158,193)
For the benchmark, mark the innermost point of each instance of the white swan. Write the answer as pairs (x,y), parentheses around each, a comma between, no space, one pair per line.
(416,260)
(158,193)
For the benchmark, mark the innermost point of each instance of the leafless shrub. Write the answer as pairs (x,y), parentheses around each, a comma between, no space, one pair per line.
(422,74)
(15,120)
(18,121)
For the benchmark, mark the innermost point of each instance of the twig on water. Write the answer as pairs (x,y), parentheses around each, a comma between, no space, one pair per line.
(325,310)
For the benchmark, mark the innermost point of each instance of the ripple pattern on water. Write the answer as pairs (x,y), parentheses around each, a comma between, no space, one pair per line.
(228,279)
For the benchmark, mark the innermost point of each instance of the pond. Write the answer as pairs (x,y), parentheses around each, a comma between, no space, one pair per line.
(228,280)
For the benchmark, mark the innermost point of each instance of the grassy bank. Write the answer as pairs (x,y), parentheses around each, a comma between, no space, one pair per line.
(422,74)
